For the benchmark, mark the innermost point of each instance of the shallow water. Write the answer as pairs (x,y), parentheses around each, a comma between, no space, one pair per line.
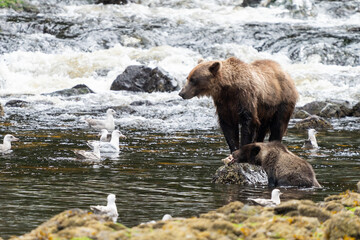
(173,146)
(156,172)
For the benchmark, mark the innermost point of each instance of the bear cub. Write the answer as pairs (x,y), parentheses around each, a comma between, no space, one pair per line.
(282,166)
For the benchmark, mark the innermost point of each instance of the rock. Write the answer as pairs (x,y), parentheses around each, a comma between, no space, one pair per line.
(358,187)
(141,103)
(342,226)
(333,108)
(311,211)
(17,103)
(240,173)
(300,114)
(144,79)
(111,2)
(356,110)
(251,3)
(2,113)
(79,89)
(313,121)
(314,108)
(233,221)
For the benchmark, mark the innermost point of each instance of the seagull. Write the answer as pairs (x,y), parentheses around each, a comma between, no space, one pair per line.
(109,147)
(166,217)
(6,146)
(275,199)
(311,142)
(105,136)
(94,155)
(108,123)
(109,210)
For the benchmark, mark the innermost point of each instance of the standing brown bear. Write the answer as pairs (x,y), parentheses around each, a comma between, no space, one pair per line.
(259,96)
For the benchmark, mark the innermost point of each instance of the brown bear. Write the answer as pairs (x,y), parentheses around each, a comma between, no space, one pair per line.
(259,96)
(282,166)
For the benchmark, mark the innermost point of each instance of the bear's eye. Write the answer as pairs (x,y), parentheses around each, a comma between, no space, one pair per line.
(192,80)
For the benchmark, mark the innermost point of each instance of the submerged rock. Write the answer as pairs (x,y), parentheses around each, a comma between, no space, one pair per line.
(240,173)
(79,89)
(294,219)
(2,113)
(112,1)
(17,103)
(315,122)
(144,79)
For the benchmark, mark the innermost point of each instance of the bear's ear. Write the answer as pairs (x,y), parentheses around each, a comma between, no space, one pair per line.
(214,68)
(200,60)
(255,151)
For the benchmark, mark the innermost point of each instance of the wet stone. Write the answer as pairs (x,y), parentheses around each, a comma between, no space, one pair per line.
(144,79)
(313,121)
(79,89)
(17,103)
(240,173)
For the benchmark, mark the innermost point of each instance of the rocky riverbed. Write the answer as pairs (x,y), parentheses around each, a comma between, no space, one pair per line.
(337,217)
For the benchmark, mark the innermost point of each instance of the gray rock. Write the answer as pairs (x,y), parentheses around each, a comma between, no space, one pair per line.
(313,121)
(251,3)
(144,79)
(356,110)
(2,113)
(79,89)
(314,108)
(300,114)
(240,173)
(112,1)
(17,103)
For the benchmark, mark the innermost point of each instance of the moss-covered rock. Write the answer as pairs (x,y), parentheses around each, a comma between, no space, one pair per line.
(234,221)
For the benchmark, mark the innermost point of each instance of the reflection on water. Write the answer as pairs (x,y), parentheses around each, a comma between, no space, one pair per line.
(155,174)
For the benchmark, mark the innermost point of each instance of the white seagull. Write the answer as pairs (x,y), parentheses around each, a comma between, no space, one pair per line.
(6,146)
(275,199)
(109,210)
(311,142)
(109,147)
(108,123)
(94,155)
(105,136)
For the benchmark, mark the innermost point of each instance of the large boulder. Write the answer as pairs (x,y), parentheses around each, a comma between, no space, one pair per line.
(144,79)
(240,173)
(356,110)
(329,109)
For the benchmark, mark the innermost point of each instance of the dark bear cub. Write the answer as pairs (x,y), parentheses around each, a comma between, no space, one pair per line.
(282,166)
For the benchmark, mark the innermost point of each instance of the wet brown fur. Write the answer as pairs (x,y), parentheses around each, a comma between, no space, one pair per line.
(259,96)
(282,166)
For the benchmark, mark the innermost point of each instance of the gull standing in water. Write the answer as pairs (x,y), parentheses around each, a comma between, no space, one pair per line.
(108,123)
(311,142)
(275,199)
(6,146)
(94,155)
(109,210)
(105,136)
(109,147)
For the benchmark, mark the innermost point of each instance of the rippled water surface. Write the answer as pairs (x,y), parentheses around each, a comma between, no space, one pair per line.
(173,146)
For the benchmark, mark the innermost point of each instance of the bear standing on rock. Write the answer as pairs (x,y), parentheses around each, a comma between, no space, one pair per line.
(282,166)
(259,96)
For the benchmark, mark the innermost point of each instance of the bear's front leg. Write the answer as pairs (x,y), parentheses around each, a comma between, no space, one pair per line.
(231,133)
(248,129)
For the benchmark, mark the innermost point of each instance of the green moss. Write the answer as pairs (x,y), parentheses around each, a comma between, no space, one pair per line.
(81,238)
(11,3)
